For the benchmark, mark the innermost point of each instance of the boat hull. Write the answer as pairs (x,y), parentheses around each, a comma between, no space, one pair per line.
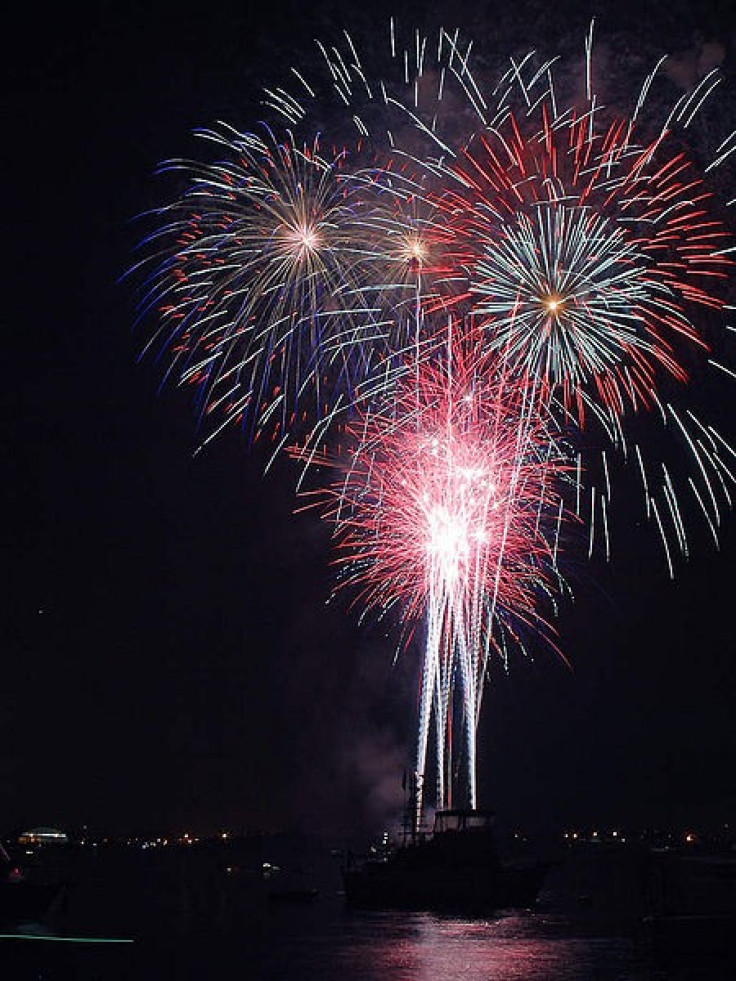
(386,886)
(26,901)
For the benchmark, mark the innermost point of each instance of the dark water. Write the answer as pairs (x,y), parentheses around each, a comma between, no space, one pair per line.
(206,917)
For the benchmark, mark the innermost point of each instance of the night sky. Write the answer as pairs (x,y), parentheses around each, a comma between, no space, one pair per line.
(168,660)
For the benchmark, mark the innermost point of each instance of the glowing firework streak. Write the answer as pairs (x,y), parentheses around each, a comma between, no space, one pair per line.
(419,99)
(447,514)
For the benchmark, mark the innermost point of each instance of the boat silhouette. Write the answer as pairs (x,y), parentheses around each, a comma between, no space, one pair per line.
(455,866)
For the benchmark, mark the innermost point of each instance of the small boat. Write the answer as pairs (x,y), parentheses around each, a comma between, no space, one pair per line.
(25,897)
(456,866)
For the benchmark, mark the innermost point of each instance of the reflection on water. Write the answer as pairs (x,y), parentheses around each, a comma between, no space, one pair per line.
(517,947)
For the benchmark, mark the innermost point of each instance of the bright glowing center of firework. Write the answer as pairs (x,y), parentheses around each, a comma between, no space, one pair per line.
(451,538)
(415,251)
(553,305)
(448,535)
(304,239)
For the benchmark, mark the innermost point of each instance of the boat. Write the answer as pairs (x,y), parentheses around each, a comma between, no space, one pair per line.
(455,866)
(26,897)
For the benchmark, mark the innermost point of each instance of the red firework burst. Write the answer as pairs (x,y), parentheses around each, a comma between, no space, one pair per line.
(448,496)
(447,512)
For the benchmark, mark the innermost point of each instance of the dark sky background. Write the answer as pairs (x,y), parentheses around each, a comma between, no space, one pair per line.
(168,661)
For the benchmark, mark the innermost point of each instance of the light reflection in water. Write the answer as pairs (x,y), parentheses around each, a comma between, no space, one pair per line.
(520,947)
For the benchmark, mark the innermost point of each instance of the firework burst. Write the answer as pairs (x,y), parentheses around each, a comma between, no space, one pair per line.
(591,253)
(448,514)
(257,266)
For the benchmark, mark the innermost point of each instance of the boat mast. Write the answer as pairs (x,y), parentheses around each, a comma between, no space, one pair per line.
(412,806)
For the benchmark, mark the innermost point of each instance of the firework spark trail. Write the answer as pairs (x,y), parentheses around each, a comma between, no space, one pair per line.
(444,512)
(420,99)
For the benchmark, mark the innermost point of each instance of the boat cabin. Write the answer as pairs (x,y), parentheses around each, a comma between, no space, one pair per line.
(463,820)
